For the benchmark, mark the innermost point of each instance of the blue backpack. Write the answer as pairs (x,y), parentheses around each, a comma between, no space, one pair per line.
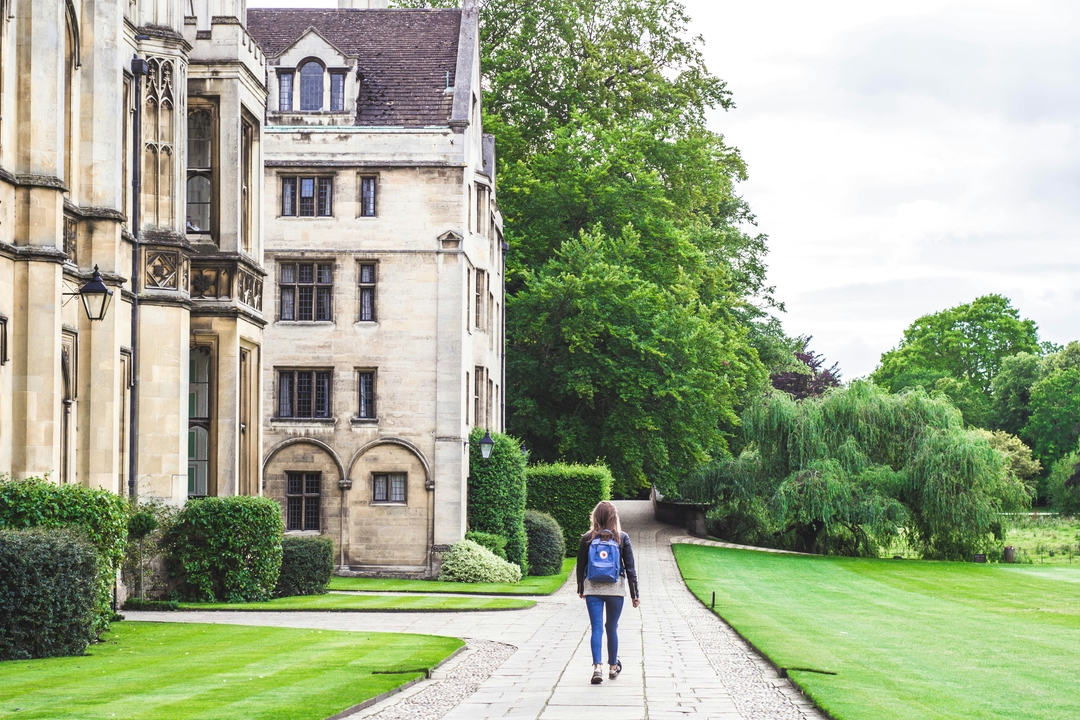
(605,563)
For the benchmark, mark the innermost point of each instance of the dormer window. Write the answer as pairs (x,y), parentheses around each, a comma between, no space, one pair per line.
(311,86)
(337,92)
(285,84)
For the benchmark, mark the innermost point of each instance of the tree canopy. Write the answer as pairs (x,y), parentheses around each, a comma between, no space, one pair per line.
(638,295)
(968,343)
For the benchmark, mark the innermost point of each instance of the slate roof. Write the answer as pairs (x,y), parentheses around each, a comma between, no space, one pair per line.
(403,55)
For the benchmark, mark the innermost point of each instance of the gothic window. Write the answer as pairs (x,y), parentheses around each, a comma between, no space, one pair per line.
(199,410)
(367,197)
(367,292)
(303,394)
(337,92)
(367,394)
(157,144)
(285,86)
(302,500)
(307,292)
(247,141)
(311,86)
(389,488)
(200,160)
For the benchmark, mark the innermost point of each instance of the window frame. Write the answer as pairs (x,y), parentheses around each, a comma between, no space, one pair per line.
(202,423)
(305,496)
(313,376)
(371,375)
(208,172)
(290,74)
(367,288)
(3,340)
(369,206)
(337,100)
(292,195)
(388,479)
(320,291)
(311,77)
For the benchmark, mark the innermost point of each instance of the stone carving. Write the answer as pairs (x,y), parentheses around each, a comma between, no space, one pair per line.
(71,236)
(211,283)
(249,289)
(161,269)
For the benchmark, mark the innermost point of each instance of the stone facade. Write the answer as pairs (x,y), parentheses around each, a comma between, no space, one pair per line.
(384,292)
(77,119)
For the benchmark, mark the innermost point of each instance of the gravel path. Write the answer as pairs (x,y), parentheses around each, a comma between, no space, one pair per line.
(679,659)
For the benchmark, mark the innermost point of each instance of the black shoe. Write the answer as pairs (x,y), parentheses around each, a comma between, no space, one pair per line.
(615,670)
(597,677)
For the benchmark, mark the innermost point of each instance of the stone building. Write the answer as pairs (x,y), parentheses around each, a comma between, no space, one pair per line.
(96,95)
(384,294)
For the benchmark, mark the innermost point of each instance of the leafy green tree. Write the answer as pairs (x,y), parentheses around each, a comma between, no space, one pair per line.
(1018,457)
(972,403)
(1055,414)
(611,365)
(599,112)
(1011,392)
(967,343)
(854,470)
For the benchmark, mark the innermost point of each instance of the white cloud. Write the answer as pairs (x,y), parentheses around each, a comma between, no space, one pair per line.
(906,157)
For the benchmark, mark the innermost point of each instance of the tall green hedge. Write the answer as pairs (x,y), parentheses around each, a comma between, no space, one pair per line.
(225,549)
(101,517)
(49,597)
(568,492)
(547,547)
(497,493)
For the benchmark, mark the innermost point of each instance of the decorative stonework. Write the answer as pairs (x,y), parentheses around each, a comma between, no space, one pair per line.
(249,289)
(162,269)
(211,283)
(71,237)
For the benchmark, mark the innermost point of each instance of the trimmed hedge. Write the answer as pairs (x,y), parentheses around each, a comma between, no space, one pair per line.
(569,492)
(497,493)
(306,566)
(225,549)
(471,563)
(99,515)
(494,543)
(547,547)
(151,605)
(49,594)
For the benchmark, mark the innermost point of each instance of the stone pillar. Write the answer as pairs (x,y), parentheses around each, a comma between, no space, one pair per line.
(450,468)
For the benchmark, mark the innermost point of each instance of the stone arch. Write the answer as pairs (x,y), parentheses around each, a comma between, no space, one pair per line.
(73,31)
(309,441)
(391,441)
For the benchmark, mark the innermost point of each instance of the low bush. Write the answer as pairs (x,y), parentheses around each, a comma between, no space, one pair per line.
(306,566)
(468,562)
(225,549)
(497,493)
(547,547)
(49,594)
(492,541)
(568,492)
(98,515)
(142,571)
(151,605)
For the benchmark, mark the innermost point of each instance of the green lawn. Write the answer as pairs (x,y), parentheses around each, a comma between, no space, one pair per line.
(1045,539)
(531,585)
(186,671)
(384,603)
(907,639)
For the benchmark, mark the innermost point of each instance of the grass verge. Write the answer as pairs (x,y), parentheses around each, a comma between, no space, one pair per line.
(530,585)
(906,639)
(379,603)
(188,671)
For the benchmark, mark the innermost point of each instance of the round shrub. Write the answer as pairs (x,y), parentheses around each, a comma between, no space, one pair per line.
(547,547)
(225,549)
(49,596)
(306,566)
(497,493)
(493,542)
(468,562)
(98,515)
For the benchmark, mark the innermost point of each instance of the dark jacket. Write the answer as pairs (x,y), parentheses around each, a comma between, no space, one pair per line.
(626,554)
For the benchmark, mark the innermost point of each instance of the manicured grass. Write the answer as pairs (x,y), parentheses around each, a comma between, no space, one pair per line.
(384,603)
(532,585)
(187,671)
(906,639)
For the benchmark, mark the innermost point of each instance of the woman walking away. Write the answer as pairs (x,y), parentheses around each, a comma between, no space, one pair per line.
(605,566)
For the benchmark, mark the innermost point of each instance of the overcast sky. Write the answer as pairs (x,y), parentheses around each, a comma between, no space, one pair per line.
(904,157)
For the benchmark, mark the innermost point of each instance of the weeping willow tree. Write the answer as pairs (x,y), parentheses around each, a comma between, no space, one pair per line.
(856,469)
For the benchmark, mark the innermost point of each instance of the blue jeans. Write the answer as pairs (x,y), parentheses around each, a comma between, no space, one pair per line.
(596,605)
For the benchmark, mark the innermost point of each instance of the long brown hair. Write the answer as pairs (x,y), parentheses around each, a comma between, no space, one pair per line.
(605,517)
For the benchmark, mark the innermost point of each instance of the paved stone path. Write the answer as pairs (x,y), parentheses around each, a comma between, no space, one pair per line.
(679,660)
